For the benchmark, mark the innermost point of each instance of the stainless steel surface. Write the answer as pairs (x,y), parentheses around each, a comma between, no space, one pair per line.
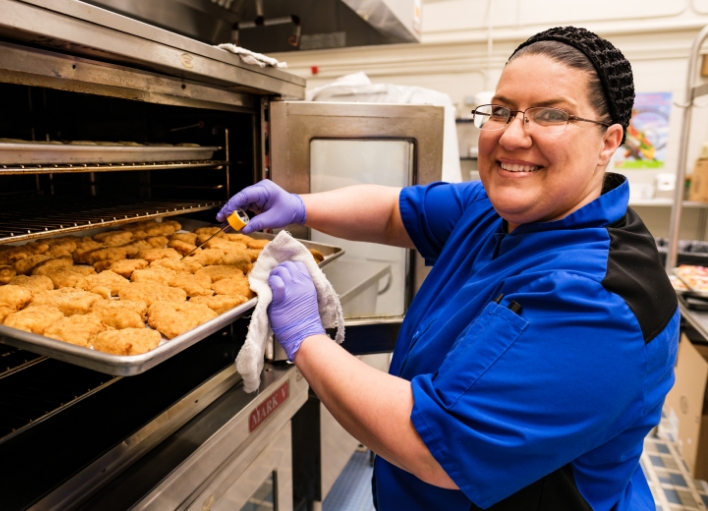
(273,465)
(294,125)
(32,153)
(127,365)
(82,29)
(31,220)
(96,475)
(697,319)
(232,449)
(23,65)
(675,221)
(8,170)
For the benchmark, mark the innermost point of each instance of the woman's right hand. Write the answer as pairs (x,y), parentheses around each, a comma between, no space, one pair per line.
(274,207)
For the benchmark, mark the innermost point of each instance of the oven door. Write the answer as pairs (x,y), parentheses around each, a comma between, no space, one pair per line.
(316,147)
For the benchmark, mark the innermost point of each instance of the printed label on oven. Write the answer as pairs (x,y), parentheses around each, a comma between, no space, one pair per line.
(268,406)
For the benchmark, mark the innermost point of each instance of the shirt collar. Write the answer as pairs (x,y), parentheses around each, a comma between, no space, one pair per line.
(609,207)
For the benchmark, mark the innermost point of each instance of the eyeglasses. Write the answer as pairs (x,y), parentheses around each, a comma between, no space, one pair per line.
(552,121)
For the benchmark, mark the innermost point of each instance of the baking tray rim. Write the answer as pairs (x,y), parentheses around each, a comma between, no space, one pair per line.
(690,289)
(130,365)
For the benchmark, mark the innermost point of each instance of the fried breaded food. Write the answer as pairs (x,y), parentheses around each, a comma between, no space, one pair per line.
(258,244)
(157,241)
(206,257)
(107,278)
(235,253)
(115,306)
(103,291)
(204,233)
(115,315)
(35,283)
(53,264)
(158,274)
(187,265)
(80,330)
(34,319)
(186,237)
(37,246)
(68,300)
(219,303)
(112,253)
(129,341)
(151,292)
(68,276)
(253,254)
(155,229)
(193,285)
(7,272)
(26,265)
(173,319)
(15,297)
(237,237)
(5,311)
(114,238)
(139,226)
(10,255)
(63,246)
(153,254)
(172,223)
(319,256)
(84,247)
(181,246)
(218,272)
(241,259)
(233,286)
(126,267)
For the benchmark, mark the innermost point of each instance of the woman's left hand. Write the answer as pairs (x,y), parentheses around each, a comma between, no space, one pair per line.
(293,312)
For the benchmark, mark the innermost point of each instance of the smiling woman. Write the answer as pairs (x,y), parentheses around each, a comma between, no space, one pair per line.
(537,354)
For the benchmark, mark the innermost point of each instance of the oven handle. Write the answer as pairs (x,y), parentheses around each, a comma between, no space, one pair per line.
(371,335)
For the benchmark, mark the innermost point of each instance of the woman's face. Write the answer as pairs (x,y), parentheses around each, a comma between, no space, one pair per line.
(533,176)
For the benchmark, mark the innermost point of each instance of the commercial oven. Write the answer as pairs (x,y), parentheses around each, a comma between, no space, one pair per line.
(105,121)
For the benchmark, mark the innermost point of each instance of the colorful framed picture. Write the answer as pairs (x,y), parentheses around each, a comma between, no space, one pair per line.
(648,133)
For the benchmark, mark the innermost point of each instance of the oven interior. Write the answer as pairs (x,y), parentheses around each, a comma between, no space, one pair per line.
(56,418)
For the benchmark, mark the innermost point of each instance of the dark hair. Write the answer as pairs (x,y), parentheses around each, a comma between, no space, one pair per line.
(571,57)
(611,67)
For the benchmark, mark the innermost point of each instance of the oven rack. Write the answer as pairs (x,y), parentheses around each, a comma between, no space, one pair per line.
(64,168)
(14,359)
(43,390)
(51,217)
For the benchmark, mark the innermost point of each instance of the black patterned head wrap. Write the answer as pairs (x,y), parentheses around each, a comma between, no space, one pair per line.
(613,69)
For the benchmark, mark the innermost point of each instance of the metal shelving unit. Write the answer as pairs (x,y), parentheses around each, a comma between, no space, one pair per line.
(64,168)
(693,91)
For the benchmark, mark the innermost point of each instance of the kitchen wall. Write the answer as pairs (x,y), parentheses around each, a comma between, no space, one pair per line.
(465,44)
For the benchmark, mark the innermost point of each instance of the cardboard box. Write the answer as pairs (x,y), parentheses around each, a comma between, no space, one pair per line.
(698,191)
(687,400)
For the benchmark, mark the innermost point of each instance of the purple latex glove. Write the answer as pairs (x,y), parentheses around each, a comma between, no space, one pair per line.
(274,207)
(293,312)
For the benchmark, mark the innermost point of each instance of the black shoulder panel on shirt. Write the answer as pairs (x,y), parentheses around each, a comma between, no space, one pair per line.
(635,273)
(554,492)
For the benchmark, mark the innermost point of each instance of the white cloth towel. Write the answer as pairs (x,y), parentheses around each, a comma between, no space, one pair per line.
(251,57)
(284,247)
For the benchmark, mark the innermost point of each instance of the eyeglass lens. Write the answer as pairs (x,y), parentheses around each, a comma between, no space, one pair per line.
(497,117)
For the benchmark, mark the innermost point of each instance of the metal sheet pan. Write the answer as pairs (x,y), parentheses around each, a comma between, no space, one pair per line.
(691,289)
(128,365)
(38,152)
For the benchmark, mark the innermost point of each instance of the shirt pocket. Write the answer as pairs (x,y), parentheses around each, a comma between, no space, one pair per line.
(494,331)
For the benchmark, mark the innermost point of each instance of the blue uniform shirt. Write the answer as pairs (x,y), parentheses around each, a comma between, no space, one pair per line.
(546,408)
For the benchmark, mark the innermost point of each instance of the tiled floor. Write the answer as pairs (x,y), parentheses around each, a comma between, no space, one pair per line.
(669,480)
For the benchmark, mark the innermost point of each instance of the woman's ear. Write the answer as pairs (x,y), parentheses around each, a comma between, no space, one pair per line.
(611,140)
